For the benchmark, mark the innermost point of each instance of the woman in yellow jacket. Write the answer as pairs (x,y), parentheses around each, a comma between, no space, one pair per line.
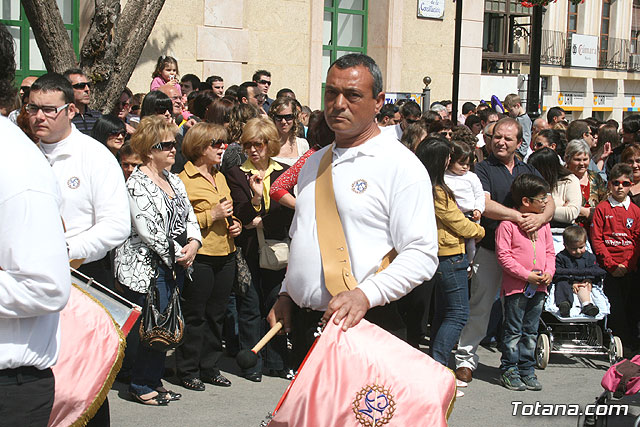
(451,290)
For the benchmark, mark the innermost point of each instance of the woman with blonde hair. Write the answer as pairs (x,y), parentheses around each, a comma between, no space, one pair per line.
(165,237)
(250,184)
(284,114)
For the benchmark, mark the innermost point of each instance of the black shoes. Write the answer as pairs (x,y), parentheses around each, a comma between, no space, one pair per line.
(193,384)
(590,310)
(564,307)
(218,380)
(253,377)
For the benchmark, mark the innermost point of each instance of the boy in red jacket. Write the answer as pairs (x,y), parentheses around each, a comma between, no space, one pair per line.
(615,231)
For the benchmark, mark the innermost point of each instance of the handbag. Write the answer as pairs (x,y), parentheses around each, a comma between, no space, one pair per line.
(162,331)
(243,275)
(273,254)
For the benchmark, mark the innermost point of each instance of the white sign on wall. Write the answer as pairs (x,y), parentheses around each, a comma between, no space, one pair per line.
(584,51)
(431,9)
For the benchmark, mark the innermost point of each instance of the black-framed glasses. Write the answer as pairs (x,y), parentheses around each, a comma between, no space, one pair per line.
(617,183)
(122,133)
(280,117)
(257,144)
(219,143)
(81,85)
(264,82)
(47,110)
(165,145)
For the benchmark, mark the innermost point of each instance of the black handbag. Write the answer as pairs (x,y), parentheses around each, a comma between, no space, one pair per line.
(162,331)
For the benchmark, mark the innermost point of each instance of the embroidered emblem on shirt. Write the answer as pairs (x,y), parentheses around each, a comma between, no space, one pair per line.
(359,186)
(374,406)
(73,183)
(629,222)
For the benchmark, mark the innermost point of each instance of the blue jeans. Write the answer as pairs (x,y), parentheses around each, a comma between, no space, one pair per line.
(521,319)
(451,305)
(148,367)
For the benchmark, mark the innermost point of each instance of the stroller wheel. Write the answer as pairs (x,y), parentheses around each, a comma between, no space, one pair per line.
(543,350)
(615,350)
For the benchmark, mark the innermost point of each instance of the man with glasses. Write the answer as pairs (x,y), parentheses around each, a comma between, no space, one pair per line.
(95,203)
(85,117)
(263,80)
(410,112)
(496,175)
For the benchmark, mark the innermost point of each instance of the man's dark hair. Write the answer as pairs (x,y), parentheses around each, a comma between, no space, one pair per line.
(446,102)
(411,109)
(613,123)
(231,91)
(212,79)
(529,186)
(204,86)
(71,71)
(54,82)
(358,59)
(242,90)
(7,67)
(257,74)
(577,129)
(125,150)
(485,113)
(631,124)
(195,81)
(284,91)
(387,110)
(554,112)
(621,169)
(467,107)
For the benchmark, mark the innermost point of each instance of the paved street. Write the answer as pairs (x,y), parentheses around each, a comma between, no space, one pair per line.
(572,380)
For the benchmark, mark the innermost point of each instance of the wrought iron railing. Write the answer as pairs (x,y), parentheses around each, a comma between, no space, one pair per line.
(554,47)
(616,54)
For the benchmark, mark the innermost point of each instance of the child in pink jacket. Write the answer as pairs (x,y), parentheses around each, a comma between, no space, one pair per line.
(526,261)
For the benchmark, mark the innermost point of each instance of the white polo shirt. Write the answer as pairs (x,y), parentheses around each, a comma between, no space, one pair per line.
(95,202)
(34,268)
(384,200)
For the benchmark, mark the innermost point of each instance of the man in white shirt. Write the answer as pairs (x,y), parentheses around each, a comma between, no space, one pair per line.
(383,195)
(34,270)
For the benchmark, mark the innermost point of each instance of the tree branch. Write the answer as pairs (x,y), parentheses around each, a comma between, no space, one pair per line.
(50,34)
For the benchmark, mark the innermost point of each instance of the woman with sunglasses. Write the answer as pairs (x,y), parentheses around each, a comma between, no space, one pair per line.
(110,131)
(250,184)
(577,157)
(284,114)
(165,237)
(206,295)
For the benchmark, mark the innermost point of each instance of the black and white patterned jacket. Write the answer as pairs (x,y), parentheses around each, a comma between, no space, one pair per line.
(136,259)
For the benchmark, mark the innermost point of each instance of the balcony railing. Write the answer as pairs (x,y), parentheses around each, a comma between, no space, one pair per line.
(616,55)
(554,47)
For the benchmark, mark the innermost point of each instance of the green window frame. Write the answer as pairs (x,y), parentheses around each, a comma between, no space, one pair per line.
(23,54)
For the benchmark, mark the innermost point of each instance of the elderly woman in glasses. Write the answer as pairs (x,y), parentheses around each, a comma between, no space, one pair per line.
(206,295)
(165,237)
(577,157)
(284,114)
(250,184)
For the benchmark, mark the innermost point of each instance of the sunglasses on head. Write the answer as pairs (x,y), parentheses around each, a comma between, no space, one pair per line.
(625,184)
(264,82)
(280,117)
(165,145)
(81,85)
(219,143)
(257,144)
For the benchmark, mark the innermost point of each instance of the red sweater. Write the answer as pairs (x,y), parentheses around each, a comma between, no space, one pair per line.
(614,235)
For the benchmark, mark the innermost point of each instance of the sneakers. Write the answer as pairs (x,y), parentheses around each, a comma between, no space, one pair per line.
(564,307)
(590,310)
(531,382)
(511,380)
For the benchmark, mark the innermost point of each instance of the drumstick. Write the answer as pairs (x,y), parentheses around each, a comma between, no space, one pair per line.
(248,358)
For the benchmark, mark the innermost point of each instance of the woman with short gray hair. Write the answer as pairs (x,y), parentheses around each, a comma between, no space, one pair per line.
(577,156)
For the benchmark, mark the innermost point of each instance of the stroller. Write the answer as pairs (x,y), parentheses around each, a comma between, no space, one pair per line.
(577,334)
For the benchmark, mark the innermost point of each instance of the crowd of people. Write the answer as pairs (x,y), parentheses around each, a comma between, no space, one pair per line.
(211,176)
